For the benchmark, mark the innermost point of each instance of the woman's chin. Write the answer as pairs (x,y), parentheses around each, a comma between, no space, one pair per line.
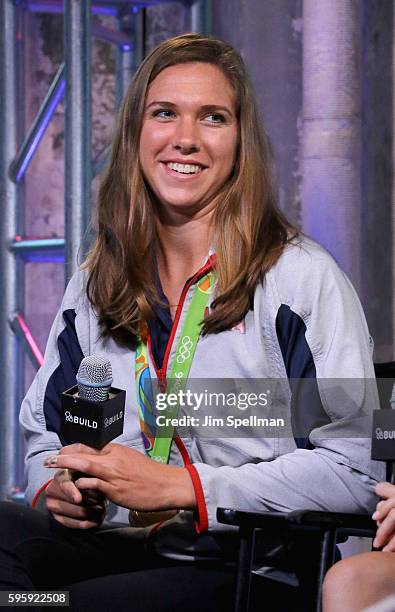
(183,210)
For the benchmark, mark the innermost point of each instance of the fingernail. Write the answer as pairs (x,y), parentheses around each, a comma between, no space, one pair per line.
(375,515)
(375,543)
(50,461)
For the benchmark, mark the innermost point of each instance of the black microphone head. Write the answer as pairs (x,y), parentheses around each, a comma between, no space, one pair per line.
(94,378)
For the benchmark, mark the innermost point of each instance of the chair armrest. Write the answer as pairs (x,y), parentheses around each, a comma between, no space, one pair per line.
(336,520)
(255,520)
(331,521)
(327,527)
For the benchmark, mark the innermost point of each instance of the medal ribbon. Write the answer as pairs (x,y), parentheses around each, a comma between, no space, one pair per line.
(158,439)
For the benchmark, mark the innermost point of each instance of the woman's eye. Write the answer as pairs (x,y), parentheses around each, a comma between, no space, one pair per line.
(215,118)
(163,113)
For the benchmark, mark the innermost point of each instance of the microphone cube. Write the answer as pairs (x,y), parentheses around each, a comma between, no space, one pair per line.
(383,435)
(92,423)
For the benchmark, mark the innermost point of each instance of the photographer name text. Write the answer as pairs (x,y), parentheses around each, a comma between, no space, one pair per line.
(210,421)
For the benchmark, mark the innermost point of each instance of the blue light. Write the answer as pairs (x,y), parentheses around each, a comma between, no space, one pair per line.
(44,7)
(41,130)
(45,257)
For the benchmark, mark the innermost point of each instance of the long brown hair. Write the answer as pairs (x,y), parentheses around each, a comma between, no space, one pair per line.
(250,230)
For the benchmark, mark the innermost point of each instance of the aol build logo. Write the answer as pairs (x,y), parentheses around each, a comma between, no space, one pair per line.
(116,417)
(70,418)
(385,435)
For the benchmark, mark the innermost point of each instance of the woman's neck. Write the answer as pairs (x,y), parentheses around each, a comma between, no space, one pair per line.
(182,251)
(183,248)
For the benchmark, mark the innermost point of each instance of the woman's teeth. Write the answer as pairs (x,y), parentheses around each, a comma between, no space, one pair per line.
(184,168)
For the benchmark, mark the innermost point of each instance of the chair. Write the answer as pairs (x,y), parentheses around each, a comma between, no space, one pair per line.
(326,529)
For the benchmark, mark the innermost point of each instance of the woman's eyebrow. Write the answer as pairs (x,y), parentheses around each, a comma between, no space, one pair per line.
(160,103)
(214,108)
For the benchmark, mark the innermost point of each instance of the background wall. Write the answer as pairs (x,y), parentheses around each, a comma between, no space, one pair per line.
(347,67)
(273,37)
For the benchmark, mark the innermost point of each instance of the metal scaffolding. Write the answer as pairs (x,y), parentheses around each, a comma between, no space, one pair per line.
(8,264)
(77,54)
(73,80)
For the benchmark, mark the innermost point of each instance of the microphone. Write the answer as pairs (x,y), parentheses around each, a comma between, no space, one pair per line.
(94,378)
(93,410)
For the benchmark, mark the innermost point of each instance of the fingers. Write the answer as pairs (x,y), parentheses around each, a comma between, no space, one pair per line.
(91,497)
(385,489)
(94,485)
(385,535)
(60,507)
(73,508)
(390,545)
(63,487)
(72,523)
(80,463)
(73,449)
(383,508)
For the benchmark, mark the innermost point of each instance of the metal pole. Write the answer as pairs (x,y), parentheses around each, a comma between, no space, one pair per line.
(9,431)
(200,19)
(244,566)
(124,66)
(332,128)
(78,148)
(40,124)
(20,227)
(139,32)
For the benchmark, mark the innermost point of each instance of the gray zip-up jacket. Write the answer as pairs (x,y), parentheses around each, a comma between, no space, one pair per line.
(307,312)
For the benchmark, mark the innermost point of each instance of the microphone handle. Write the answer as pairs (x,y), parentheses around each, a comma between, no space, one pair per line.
(390,471)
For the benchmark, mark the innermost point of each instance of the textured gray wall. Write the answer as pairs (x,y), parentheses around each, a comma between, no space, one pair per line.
(377,270)
(331,154)
(269,36)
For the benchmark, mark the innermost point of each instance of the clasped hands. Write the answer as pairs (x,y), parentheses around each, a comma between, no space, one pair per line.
(87,477)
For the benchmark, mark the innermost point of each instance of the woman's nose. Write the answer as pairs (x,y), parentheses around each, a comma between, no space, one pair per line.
(186,137)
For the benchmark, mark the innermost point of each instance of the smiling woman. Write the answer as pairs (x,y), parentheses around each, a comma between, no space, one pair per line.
(191,102)
(188,146)
(195,275)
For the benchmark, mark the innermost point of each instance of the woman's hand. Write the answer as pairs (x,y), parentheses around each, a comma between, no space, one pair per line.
(68,505)
(128,478)
(385,517)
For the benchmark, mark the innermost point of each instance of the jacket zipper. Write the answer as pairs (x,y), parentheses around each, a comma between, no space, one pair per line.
(162,372)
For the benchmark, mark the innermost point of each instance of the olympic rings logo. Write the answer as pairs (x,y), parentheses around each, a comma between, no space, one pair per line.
(160,459)
(185,349)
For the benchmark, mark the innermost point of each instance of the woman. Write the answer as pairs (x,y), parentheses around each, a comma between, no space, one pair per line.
(190,238)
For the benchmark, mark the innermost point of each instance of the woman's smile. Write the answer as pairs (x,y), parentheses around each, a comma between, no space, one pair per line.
(183,172)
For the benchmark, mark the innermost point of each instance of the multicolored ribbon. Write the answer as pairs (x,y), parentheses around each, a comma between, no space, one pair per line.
(158,443)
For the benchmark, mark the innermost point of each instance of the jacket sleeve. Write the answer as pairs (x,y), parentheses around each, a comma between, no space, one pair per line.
(337,474)
(40,411)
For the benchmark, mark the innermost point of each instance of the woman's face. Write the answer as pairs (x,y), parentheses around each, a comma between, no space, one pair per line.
(189,135)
